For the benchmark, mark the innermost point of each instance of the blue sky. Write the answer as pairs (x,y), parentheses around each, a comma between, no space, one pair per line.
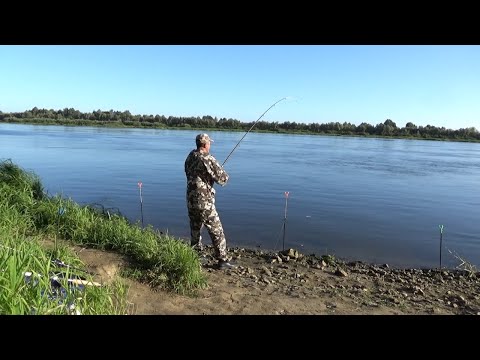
(423,84)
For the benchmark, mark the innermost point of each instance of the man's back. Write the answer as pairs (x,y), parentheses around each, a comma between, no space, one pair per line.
(202,170)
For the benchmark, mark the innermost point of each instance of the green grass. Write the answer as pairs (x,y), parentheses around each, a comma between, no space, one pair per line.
(26,273)
(28,215)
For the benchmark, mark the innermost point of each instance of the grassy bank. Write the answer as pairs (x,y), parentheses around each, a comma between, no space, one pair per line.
(32,277)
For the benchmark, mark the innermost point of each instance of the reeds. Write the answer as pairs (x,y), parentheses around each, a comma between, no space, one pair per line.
(28,215)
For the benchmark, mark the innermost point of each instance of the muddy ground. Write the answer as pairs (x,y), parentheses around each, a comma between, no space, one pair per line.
(290,283)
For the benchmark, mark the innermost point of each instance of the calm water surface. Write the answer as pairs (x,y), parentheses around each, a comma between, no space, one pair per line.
(376,200)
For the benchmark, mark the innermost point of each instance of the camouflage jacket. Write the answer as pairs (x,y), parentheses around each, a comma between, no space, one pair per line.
(202,171)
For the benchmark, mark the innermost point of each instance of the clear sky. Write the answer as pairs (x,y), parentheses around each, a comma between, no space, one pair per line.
(424,84)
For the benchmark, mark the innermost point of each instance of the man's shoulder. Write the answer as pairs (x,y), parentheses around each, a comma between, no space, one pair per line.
(201,156)
(191,154)
(210,157)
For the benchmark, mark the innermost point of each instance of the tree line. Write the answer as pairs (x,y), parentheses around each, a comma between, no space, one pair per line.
(71,116)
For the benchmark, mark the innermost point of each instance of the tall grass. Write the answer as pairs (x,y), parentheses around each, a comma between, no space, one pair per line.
(27,284)
(167,261)
(27,215)
(26,271)
(24,181)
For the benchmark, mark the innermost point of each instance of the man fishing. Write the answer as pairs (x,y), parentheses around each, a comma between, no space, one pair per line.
(202,171)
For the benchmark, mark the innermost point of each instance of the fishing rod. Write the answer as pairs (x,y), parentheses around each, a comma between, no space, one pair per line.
(141,200)
(285,218)
(60,263)
(252,128)
(441,238)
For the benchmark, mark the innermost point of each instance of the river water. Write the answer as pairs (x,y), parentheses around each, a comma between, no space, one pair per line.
(376,200)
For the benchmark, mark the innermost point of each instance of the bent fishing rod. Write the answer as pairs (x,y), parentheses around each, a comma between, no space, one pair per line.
(252,128)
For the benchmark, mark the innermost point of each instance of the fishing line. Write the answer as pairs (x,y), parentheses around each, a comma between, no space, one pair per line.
(275,103)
